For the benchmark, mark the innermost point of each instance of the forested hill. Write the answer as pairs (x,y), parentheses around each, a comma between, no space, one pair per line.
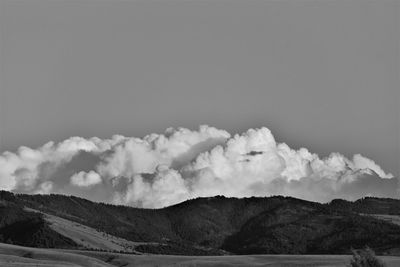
(215,225)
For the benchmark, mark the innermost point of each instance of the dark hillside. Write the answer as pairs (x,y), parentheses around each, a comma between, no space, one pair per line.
(213,225)
(369,205)
(20,227)
(290,230)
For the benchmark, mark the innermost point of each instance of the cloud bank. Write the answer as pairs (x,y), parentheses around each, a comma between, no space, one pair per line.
(163,169)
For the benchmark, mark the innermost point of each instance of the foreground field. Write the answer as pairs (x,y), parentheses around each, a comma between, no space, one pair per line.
(16,256)
(13,256)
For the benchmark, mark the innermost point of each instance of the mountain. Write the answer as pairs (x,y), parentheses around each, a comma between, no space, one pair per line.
(203,226)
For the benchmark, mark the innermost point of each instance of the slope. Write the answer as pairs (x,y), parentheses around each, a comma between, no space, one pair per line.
(219,225)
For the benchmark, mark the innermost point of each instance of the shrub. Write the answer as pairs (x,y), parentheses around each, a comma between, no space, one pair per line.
(365,258)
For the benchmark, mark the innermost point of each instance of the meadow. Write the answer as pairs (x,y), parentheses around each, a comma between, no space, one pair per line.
(17,256)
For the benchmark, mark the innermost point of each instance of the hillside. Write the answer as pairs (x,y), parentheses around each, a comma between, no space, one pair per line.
(20,227)
(209,226)
(369,205)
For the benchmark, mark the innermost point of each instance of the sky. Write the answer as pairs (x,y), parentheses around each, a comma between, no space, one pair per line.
(319,74)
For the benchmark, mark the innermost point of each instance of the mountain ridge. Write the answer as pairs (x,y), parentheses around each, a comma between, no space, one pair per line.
(217,225)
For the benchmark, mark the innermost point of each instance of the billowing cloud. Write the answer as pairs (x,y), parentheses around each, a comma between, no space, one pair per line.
(85,179)
(163,169)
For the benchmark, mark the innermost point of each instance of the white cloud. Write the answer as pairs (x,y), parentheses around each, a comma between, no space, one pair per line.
(360,162)
(85,179)
(163,169)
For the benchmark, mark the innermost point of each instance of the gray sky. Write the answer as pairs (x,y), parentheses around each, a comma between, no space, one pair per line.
(319,74)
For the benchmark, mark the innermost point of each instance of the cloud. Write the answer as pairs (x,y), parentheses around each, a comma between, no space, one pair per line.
(85,179)
(163,169)
(360,162)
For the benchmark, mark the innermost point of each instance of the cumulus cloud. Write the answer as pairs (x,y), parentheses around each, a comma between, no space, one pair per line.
(163,169)
(85,179)
(360,162)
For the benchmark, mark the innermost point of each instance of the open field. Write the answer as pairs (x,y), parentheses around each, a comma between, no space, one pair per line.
(17,256)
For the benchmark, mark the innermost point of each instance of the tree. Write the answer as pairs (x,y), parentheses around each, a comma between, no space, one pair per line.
(365,258)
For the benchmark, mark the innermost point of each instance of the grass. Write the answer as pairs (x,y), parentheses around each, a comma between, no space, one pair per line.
(16,256)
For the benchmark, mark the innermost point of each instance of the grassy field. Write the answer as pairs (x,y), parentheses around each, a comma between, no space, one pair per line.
(16,256)
(13,256)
